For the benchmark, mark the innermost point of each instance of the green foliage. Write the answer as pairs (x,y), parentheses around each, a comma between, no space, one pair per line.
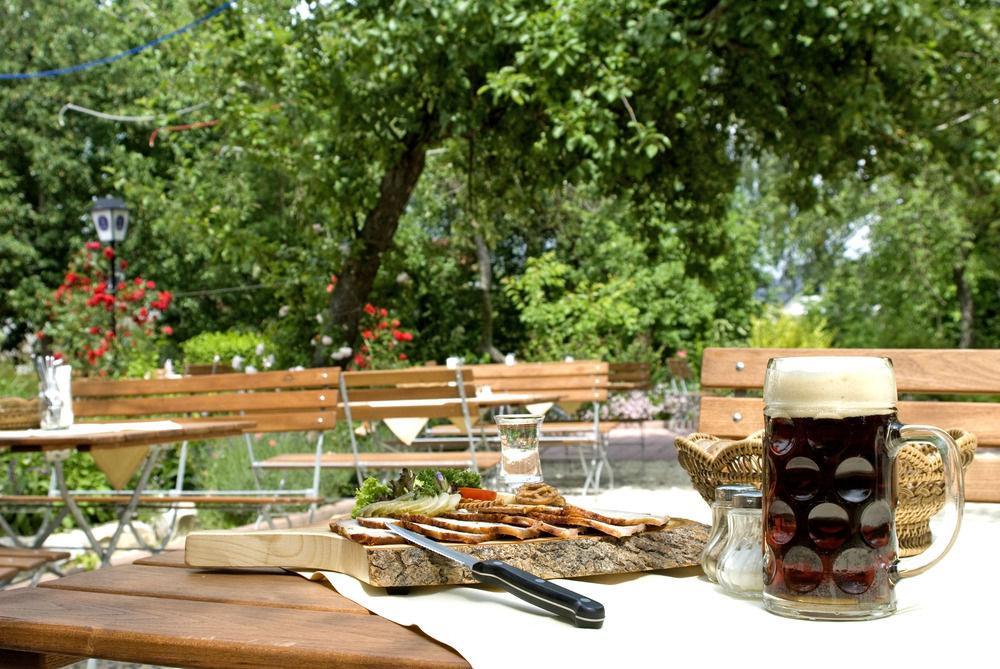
(774,329)
(245,349)
(13,384)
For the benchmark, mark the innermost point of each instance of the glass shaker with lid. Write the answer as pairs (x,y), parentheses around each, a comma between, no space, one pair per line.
(740,569)
(717,539)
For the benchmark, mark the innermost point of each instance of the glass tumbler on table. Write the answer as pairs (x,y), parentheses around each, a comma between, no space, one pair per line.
(520,462)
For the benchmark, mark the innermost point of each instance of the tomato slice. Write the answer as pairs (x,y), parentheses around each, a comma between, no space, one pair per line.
(477,493)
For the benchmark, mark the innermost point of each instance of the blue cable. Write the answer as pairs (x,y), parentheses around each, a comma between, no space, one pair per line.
(118,56)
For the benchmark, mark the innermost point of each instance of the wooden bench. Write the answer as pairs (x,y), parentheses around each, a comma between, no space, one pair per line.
(16,563)
(282,401)
(934,372)
(624,376)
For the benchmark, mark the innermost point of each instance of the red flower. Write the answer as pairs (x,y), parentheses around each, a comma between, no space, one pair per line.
(368,334)
(138,281)
(383,325)
(100,288)
(71,278)
(92,246)
(94,329)
(370,310)
(151,285)
(403,356)
(333,278)
(329,287)
(395,322)
(397,335)
(109,252)
(167,330)
(407,336)
(123,263)
(360,361)
(57,355)
(383,312)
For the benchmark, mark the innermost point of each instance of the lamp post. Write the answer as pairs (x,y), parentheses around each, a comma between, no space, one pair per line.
(110,216)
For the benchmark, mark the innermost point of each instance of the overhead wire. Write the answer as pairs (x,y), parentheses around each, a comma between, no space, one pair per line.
(118,56)
(148,118)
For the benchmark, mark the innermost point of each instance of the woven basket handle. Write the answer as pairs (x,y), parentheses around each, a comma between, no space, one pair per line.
(954,491)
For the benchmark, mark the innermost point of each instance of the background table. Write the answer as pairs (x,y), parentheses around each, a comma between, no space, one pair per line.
(59,444)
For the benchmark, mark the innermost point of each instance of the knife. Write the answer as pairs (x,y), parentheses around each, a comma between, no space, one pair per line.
(582,611)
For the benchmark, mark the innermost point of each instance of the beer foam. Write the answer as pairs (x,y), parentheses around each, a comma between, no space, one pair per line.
(829,387)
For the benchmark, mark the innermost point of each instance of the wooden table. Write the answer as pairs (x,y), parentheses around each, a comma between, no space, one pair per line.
(157,611)
(57,445)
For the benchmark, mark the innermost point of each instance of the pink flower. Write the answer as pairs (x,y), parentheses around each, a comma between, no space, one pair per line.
(92,246)
(167,330)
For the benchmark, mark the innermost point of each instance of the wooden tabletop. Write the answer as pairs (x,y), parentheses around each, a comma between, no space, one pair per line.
(53,440)
(161,612)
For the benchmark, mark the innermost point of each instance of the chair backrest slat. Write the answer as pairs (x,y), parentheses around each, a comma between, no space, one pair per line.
(579,381)
(278,401)
(941,371)
(322,377)
(736,417)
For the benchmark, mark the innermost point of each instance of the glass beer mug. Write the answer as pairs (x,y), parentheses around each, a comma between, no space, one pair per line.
(830,441)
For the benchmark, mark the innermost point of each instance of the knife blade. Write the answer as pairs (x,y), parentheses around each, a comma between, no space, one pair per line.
(581,611)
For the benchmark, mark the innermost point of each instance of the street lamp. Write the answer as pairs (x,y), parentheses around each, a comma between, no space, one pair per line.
(110,216)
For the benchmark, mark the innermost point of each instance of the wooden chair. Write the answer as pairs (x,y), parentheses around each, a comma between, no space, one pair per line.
(570,384)
(380,395)
(284,401)
(624,376)
(933,372)
(18,564)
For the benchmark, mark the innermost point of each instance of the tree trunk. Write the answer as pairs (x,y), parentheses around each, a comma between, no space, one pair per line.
(355,281)
(483,261)
(966,306)
(486,299)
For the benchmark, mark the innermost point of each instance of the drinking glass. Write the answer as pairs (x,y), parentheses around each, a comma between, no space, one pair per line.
(519,458)
(831,437)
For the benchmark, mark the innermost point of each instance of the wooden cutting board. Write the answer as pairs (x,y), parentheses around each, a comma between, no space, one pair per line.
(678,544)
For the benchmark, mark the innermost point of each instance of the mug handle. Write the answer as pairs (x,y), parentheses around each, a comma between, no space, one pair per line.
(954,490)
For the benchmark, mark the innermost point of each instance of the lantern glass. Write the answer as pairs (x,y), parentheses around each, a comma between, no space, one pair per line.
(110,216)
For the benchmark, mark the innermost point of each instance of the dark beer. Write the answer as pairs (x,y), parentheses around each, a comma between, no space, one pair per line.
(829,535)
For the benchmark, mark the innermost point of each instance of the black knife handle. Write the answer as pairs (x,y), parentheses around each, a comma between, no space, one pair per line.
(582,611)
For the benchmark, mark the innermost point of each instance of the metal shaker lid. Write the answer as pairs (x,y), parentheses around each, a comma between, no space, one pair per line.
(748,500)
(725,493)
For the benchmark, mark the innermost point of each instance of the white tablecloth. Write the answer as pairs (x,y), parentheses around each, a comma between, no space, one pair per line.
(679,618)
(82,429)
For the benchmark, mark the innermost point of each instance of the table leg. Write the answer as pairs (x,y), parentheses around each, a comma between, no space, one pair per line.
(48,526)
(57,458)
(125,517)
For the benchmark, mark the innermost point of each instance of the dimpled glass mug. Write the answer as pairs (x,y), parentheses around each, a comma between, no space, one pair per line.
(830,441)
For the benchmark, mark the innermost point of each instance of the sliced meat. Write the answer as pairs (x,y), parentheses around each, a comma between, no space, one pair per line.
(375,522)
(477,526)
(355,531)
(523,521)
(618,531)
(442,534)
(520,509)
(618,517)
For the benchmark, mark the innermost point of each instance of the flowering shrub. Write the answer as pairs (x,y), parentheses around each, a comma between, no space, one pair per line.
(381,340)
(80,309)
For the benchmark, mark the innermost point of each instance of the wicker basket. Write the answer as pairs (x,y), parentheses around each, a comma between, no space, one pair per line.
(711,462)
(18,414)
